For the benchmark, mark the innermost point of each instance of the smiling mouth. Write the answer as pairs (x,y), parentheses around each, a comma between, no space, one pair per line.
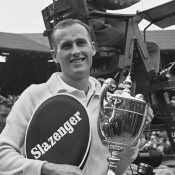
(77,60)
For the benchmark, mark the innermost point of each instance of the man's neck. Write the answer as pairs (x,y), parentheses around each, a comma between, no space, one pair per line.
(82,84)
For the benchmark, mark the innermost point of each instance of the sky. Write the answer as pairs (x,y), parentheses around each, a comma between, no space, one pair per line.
(24,16)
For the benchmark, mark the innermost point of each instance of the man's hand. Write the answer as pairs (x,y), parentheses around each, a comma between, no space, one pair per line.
(150,113)
(58,169)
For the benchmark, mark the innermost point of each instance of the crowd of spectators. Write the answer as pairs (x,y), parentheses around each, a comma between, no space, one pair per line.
(6,104)
(158,140)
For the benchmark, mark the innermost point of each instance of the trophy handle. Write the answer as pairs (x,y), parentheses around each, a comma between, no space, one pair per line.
(109,85)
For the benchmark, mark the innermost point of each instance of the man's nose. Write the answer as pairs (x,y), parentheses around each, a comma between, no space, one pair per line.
(75,49)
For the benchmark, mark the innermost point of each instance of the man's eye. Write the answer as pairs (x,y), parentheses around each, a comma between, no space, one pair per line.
(66,46)
(81,43)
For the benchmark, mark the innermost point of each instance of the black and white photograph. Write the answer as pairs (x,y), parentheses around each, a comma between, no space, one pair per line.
(87,87)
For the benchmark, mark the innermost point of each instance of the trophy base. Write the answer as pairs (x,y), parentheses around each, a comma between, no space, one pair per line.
(113,160)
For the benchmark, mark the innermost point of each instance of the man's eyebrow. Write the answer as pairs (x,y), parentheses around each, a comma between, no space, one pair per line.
(82,39)
(65,41)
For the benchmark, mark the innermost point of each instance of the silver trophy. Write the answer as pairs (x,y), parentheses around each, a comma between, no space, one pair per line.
(121,120)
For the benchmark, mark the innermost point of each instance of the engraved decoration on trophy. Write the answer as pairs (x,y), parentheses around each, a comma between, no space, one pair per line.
(121,120)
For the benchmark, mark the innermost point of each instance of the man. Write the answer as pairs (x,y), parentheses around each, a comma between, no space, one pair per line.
(73,50)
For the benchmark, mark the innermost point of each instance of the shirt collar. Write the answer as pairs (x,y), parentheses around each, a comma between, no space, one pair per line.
(56,85)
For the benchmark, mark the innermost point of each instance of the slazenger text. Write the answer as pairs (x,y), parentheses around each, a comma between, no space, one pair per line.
(67,127)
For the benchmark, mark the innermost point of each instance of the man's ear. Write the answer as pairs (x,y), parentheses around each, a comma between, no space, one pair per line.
(93,48)
(53,54)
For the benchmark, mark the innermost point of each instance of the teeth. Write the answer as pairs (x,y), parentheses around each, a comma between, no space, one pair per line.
(77,60)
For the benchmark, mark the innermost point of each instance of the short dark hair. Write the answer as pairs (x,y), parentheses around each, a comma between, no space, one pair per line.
(65,23)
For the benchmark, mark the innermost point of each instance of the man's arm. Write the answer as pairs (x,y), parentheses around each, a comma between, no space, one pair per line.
(57,169)
(12,153)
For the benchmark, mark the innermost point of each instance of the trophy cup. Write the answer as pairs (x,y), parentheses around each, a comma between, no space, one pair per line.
(121,120)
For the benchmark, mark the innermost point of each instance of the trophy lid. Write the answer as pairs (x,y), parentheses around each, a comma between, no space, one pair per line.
(126,93)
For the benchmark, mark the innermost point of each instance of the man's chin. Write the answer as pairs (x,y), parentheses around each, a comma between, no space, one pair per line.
(81,73)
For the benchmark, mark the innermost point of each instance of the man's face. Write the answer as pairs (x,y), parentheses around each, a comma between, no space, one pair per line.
(74,52)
